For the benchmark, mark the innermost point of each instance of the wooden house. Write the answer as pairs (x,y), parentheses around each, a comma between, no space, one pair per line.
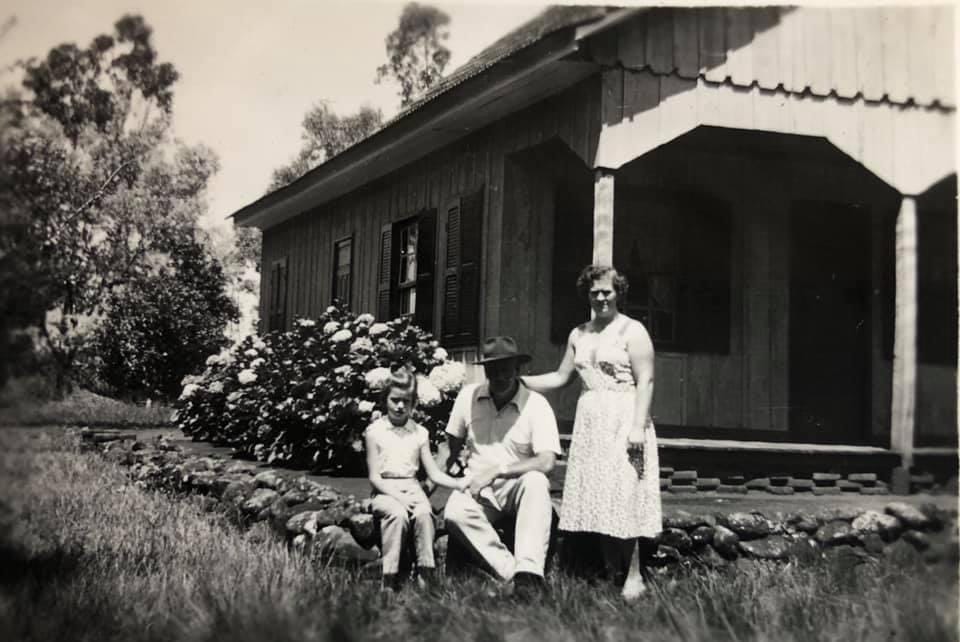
(779,185)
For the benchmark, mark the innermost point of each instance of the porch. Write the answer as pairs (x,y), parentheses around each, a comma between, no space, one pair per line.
(798,303)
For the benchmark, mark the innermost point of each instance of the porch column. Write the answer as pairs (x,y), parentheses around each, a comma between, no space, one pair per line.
(603,190)
(905,336)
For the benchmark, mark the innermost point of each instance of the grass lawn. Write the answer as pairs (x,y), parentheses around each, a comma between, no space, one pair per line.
(84,555)
(29,402)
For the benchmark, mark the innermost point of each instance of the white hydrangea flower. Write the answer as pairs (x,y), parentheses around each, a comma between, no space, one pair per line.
(213,359)
(448,377)
(363,343)
(246,376)
(376,415)
(190,379)
(330,327)
(377,378)
(251,353)
(331,309)
(357,446)
(365,407)
(427,393)
(306,323)
(216,387)
(259,344)
(378,328)
(366,318)
(341,335)
(440,354)
(188,390)
(256,363)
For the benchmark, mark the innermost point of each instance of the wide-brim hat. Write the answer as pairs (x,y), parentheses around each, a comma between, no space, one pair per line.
(499,349)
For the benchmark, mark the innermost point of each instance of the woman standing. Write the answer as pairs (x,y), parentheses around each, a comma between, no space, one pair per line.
(612,486)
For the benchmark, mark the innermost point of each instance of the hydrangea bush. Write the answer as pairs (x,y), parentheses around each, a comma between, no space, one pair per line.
(303,397)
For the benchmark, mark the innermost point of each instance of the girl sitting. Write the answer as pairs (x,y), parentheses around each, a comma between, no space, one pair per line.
(396,447)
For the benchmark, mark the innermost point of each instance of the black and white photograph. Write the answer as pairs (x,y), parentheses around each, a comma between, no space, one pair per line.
(486,321)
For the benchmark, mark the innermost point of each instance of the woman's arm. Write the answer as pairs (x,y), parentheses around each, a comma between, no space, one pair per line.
(559,377)
(436,475)
(640,350)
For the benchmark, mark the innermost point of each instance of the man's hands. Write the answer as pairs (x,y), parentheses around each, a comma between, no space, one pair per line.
(482,479)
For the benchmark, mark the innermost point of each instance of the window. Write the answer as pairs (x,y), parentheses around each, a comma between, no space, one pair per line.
(675,251)
(342,269)
(937,286)
(406,273)
(408,264)
(277,296)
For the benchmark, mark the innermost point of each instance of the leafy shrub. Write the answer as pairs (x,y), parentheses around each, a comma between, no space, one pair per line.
(159,328)
(303,397)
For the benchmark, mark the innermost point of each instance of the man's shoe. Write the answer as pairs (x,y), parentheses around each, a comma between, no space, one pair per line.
(528,587)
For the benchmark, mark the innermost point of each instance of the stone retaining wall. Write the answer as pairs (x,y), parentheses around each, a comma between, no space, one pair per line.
(308,513)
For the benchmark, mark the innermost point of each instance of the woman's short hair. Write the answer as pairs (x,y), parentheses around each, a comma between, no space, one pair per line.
(593,273)
(401,378)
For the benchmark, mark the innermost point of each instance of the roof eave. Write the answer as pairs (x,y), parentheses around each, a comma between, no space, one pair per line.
(389,148)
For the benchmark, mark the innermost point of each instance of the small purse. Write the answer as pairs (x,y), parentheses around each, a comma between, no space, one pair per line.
(635,457)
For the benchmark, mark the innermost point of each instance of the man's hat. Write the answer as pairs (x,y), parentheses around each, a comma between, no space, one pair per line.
(500,348)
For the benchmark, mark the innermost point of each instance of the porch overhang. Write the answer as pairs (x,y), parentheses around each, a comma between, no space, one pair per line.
(522,79)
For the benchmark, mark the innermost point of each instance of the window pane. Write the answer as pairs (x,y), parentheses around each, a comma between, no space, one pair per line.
(408,300)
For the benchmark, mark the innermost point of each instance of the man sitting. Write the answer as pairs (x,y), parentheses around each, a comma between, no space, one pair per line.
(512,441)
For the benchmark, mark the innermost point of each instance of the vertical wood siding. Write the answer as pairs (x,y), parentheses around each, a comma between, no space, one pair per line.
(431,182)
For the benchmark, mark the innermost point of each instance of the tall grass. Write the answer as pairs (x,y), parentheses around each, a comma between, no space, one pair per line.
(29,402)
(91,557)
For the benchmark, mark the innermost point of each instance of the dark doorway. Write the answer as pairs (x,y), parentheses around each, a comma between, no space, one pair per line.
(830,262)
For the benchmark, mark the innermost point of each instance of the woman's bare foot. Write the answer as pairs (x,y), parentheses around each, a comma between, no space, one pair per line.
(634,587)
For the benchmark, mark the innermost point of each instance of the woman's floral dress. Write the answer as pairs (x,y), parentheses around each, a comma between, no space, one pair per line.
(602,493)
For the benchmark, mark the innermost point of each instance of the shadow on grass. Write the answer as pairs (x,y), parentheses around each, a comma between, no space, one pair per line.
(19,568)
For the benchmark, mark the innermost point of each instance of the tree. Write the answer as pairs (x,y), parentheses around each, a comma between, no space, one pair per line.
(116,78)
(325,134)
(165,325)
(102,191)
(416,56)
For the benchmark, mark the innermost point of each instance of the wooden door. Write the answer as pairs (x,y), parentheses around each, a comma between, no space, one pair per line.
(829,321)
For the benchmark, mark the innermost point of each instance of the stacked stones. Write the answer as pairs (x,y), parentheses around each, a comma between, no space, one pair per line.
(306,513)
(688,482)
(719,538)
(313,515)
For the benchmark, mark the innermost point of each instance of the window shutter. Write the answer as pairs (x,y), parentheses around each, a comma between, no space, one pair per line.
(426,257)
(384,281)
(451,274)
(274,296)
(471,221)
(283,293)
(461,286)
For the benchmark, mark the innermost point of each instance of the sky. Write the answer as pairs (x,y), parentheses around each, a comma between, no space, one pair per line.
(250,70)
